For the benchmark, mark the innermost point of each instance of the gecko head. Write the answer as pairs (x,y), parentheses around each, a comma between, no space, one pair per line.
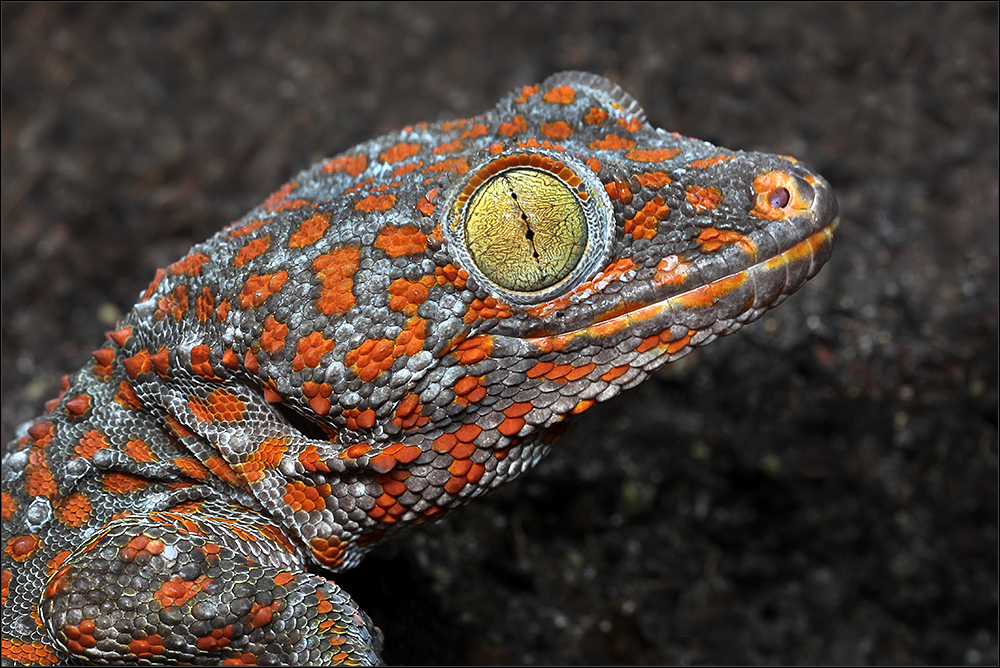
(631,238)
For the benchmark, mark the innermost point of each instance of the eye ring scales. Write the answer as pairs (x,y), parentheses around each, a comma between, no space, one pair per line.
(529,225)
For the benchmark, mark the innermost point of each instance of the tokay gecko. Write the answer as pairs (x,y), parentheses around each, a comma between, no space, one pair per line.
(396,331)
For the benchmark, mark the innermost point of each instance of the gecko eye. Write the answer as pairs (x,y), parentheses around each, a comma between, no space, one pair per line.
(529,225)
(525,230)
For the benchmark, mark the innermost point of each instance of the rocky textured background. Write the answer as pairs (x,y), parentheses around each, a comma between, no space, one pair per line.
(821,488)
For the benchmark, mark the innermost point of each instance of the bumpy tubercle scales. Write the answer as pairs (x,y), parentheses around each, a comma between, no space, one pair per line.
(368,350)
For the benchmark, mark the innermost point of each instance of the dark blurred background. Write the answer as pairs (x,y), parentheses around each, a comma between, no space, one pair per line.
(821,488)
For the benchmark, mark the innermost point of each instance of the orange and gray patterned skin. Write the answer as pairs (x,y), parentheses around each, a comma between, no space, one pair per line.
(390,335)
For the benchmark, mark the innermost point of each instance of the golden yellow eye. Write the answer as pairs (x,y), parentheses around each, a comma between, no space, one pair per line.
(529,225)
(525,230)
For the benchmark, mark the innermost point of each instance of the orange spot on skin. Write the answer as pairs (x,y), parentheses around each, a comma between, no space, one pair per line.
(425,205)
(558,130)
(300,495)
(407,296)
(531,142)
(560,95)
(375,356)
(251,250)
(486,309)
(272,339)
(311,460)
(222,310)
(376,203)
(191,468)
(73,510)
(247,228)
(612,143)
(203,306)
(201,362)
(451,274)
(21,548)
(220,468)
(473,349)
(708,162)
(310,231)
(105,358)
(335,271)
(29,654)
(220,405)
(229,358)
(703,199)
(357,450)
(711,239)
(117,482)
(261,615)
(618,191)
(38,477)
(643,224)
(477,130)
(261,286)
(77,406)
(399,241)
(138,364)
(353,165)
(318,396)
(449,147)
(176,591)
(652,154)
(469,390)
(161,361)
(516,125)
(632,125)
(399,152)
(356,419)
(456,165)
(407,414)
(279,195)
(395,453)
(615,372)
(671,270)
(126,396)
(595,116)
(121,336)
(216,641)
(189,266)
(526,92)
(81,636)
(283,578)
(407,169)
(173,305)
(309,350)
(8,506)
(653,180)
(266,457)
(137,449)
(329,552)
(91,441)
(270,394)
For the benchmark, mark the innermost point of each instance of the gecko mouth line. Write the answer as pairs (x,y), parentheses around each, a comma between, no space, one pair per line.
(702,296)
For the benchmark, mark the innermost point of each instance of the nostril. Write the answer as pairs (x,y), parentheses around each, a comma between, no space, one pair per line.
(779,198)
